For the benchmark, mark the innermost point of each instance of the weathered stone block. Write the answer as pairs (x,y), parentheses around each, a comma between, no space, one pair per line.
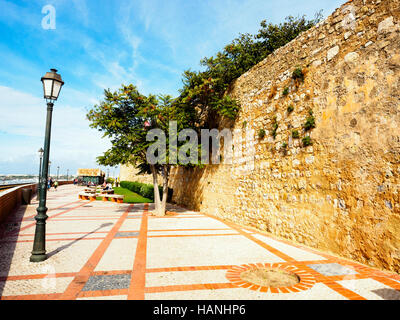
(386,25)
(332,53)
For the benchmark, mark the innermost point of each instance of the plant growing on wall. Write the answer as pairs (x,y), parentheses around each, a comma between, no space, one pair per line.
(298,75)
(261,133)
(290,109)
(306,141)
(310,121)
(295,134)
(285,91)
(275,127)
(205,93)
(284,148)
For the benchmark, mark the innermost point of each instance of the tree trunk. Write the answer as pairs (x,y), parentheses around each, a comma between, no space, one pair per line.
(165,174)
(157,202)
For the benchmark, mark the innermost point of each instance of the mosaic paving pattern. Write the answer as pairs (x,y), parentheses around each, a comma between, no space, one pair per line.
(126,234)
(104,250)
(108,282)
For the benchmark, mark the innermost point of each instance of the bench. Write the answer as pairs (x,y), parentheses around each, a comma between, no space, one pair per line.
(107,191)
(87,196)
(105,197)
(90,191)
(113,197)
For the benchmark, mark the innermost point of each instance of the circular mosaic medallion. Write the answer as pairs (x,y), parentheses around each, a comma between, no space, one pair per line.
(270,277)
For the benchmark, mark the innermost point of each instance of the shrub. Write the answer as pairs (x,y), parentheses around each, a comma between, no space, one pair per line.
(295,134)
(145,190)
(274,127)
(298,75)
(290,109)
(285,91)
(261,133)
(284,145)
(206,90)
(307,141)
(310,122)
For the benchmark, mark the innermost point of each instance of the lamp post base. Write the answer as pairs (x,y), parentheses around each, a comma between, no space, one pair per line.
(38,257)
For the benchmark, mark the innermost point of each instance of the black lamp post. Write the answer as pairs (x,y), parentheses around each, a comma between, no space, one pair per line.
(52,84)
(40,152)
(58,170)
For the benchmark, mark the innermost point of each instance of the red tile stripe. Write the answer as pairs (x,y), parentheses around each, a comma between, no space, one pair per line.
(48,296)
(259,242)
(77,284)
(49,218)
(344,291)
(190,287)
(138,278)
(193,268)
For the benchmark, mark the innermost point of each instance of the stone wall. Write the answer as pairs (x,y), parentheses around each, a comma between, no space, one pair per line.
(341,194)
(11,199)
(129,173)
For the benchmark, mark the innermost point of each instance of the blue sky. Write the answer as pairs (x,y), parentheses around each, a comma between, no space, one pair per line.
(101,44)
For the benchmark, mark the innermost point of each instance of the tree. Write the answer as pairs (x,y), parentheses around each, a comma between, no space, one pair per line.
(275,36)
(206,92)
(127,117)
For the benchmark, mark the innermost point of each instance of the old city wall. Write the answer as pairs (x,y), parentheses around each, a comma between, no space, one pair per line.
(340,194)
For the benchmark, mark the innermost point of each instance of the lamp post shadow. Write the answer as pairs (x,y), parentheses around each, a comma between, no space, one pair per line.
(55,251)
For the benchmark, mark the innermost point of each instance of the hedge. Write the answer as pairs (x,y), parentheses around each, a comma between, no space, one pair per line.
(143,189)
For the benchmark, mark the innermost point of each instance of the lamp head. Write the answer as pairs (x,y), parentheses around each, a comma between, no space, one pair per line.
(52,84)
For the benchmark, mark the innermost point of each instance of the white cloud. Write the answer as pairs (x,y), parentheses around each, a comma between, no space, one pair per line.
(24,115)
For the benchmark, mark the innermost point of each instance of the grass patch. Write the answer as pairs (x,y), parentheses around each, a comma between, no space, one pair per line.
(130,197)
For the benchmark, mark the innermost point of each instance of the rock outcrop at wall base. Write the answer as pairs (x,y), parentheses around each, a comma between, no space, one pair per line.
(341,193)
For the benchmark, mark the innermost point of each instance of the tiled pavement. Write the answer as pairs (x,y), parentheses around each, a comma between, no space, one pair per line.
(105,250)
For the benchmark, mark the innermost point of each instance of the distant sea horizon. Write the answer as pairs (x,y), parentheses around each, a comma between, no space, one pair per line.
(18,181)
(14,179)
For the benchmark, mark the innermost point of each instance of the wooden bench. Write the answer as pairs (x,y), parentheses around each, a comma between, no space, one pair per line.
(111,191)
(105,197)
(113,197)
(87,196)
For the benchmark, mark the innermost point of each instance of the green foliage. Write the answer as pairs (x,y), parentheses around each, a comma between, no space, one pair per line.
(275,36)
(120,116)
(285,91)
(275,127)
(298,75)
(307,141)
(204,93)
(310,122)
(261,133)
(244,124)
(130,197)
(145,190)
(290,109)
(284,145)
(295,134)
(110,180)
